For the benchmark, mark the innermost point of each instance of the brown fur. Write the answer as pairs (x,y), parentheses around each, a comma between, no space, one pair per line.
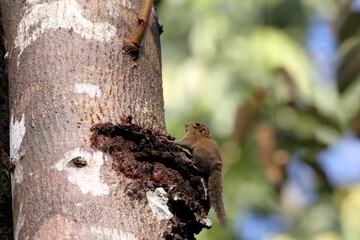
(206,155)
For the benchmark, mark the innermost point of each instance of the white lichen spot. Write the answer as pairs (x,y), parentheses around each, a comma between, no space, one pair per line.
(141,108)
(67,14)
(19,222)
(158,203)
(110,6)
(17,133)
(205,221)
(87,178)
(111,233)
(126,3)
(208,222)
(78,204)
(89,89)
(19,173)
(113,6)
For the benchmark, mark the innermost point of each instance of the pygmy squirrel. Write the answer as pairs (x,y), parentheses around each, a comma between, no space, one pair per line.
(206,155)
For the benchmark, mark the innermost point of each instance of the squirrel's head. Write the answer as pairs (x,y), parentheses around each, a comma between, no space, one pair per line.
(198,129)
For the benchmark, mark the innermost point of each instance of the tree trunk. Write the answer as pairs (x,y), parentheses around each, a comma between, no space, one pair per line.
(67,74)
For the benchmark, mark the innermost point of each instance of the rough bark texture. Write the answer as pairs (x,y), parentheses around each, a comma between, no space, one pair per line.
(67,73)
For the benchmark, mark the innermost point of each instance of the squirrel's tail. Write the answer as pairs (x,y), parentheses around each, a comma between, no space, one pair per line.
(215,194)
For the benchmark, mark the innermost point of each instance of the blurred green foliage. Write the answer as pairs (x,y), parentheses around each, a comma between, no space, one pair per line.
(217,53)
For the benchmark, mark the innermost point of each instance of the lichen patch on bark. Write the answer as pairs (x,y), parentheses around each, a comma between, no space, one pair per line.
(158,203)
(90,89)
(17,133)
(42,17)
(152,161)
(83,169)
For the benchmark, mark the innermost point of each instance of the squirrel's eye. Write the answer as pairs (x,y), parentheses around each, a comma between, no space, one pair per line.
(196,124)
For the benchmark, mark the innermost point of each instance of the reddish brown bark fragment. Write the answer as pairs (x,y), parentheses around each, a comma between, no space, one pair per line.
(152,161)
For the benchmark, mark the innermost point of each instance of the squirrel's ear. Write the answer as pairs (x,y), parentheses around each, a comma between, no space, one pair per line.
(203,130)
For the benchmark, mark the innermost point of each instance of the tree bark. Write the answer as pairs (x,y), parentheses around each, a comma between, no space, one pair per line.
(68,73)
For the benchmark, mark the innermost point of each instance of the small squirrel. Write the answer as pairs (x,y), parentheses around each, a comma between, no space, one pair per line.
(206,155)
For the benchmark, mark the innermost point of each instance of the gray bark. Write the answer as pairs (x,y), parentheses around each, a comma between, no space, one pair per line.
(67,72)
